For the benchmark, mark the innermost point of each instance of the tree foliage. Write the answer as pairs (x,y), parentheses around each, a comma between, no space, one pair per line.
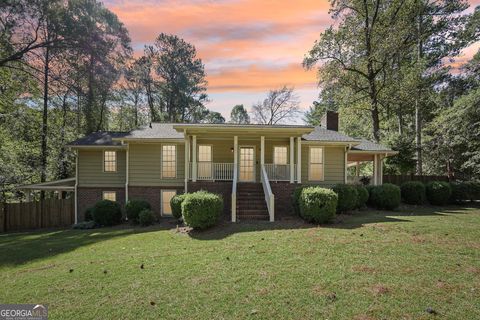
(279,106)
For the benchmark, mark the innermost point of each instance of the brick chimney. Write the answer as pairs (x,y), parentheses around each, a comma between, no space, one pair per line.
(330,121)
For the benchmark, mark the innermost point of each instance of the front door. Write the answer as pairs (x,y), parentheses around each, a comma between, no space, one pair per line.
(247,164)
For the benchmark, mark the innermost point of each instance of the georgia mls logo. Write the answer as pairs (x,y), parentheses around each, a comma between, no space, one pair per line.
(23,312)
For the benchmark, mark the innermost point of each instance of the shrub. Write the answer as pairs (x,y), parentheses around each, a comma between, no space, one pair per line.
(369,190)
(318,204)
(362,196)
(386,196)
(84,225)
(176,205)
(201,209)
(438,192)
(146,217)
(89,214)
(465,191)
(134,207)
(413,192)
(347,197)
(296,199)
(107,213)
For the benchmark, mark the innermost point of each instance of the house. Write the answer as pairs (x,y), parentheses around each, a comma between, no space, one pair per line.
(254,167)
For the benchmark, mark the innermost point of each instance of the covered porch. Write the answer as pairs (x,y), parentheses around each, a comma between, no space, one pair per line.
(366,166)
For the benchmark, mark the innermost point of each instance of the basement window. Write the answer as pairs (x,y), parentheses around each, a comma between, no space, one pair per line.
(166,196)
(110,195)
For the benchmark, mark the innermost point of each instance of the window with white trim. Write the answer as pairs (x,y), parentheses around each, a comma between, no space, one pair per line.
(204,161)
(166,196)
(110,195)
(169,161)
(280,155)
(315,170)
(110,161)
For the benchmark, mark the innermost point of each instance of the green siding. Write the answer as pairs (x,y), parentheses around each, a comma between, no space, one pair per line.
(90,169)
(334,166)
(145,165)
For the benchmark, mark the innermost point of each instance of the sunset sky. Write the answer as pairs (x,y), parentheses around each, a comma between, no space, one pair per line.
(248,47)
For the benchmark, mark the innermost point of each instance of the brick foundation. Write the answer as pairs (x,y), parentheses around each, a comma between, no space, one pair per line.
(223,188)
(152,195)
(87,197)
(283,192)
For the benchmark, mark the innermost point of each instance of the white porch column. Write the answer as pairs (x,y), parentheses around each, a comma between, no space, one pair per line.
(357,169)
(262,150)
(194,158)
(235,153)
(187,160)
(59,194)
(292,165)
(28,196)
(375,178)
(380,169)
(299,159)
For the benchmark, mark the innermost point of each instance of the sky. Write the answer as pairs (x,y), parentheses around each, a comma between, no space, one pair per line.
(248,47)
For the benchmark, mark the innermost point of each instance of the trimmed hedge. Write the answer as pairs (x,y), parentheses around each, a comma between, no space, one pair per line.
(89,214)
(201,209)
(318,204)
(176,205)
(146,217)
(107,213)
(362,196)
(438,192)
(465,191)
(413,192)
(347,197)
(134,207)
(386,196)
(296,199)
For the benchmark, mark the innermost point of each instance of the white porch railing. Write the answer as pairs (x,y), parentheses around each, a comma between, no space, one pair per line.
(213,171)
(280,172)
(357,179)
(269,197)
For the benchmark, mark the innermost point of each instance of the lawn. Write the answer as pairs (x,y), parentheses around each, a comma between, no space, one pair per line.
(369,265)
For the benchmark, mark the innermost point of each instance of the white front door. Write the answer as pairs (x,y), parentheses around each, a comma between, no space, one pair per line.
(247,164)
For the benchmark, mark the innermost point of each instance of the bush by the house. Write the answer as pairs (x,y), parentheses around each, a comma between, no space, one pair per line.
(347,197)
(176,205)
(296,199)
(438,192)
(369,190)
(318,204)
(362,196)
(134,207)
(465,191)
(386,196)
(89,214)
(201,209)
(146,217)
(413,192)
(107,213)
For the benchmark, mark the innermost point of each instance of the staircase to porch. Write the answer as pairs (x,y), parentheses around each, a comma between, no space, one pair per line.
(251,202)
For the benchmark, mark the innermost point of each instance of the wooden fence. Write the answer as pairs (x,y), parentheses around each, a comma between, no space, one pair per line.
(399,179)
(48,213)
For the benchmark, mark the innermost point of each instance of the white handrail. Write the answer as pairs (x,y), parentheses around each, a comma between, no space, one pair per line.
(234,195)
(267,190)
(213,171)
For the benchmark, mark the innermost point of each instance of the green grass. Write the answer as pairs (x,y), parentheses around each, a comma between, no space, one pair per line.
(371,265)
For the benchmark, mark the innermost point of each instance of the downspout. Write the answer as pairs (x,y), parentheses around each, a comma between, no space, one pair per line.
(126,177)
(76,188)
(346,162)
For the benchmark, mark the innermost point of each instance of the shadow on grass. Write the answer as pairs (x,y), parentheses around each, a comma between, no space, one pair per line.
(353,220)
(21,247)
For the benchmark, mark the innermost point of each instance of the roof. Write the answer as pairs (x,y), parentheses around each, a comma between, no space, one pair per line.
(155,131)
(63,184)
(100,138)
(366,145)
(322,134)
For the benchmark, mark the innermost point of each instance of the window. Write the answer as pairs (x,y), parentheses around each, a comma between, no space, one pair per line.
(166,196)
(315,171)
(169,161)
(204,161)
(110,161)
(280,155)
(110,195)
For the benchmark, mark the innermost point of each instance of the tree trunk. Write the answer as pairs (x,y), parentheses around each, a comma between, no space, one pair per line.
(43,158)
(90,99)
(418,117)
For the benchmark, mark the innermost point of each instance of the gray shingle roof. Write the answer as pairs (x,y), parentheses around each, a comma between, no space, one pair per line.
(366,145)
(322,134)
(101,138)
(156,131)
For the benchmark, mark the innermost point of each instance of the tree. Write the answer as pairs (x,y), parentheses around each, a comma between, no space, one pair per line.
(239,115)
(358,53)
(180,79)
(280,105)
(214,117)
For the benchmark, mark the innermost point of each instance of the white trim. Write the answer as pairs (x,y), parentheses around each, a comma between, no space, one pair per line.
(262,150)
(299,159)
(254,163)
(187,160)
(116,161)
(194,158)
(76,188)
(292,165)
(161,201)
(161,161)
(323,163)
